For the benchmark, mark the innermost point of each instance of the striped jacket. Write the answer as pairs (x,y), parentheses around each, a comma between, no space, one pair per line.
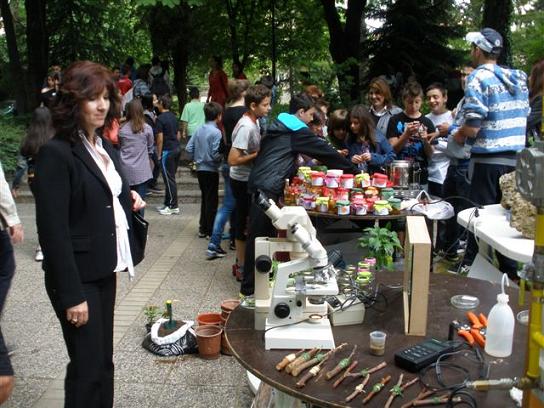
(497,101)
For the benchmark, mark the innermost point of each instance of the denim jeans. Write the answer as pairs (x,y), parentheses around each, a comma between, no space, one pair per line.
(223,214)
(141,189)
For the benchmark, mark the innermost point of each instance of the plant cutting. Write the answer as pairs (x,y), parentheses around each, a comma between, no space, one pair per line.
(381,244)
(152,313)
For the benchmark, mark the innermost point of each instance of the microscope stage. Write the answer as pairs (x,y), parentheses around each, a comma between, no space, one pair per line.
(300,336)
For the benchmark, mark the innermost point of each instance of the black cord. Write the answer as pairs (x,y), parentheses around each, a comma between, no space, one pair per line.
(476,205)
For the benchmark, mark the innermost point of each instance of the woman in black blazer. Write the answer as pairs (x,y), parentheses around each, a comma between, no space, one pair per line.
(83,215)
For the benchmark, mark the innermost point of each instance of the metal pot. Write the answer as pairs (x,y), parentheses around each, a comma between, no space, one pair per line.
(404,173)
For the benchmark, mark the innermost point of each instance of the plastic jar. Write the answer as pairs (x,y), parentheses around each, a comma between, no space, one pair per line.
(343,207)
(387,193)
(379,180)
(322,204)
(332,180)
(395,205)
(382,207)
(346,181)
(318,178)
(342,194)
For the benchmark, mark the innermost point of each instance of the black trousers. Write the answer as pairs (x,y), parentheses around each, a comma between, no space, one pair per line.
(243,204)
(259,225)
(89,374)
(169,166)
(7,270)
(455,184)
(208,181)
(485,190)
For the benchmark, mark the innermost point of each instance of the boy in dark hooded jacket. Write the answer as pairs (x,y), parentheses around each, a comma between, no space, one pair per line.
(285,138)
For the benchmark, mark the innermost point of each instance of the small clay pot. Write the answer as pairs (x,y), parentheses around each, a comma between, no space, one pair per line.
(208,338)
(229,305)
(223,321)
(211,318)
(225,348)
(225,315)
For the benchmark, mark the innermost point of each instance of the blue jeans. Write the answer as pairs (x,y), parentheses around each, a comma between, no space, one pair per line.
(141,189)
(223,214)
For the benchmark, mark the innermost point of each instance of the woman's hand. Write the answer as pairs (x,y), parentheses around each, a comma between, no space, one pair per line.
(343,152)
(357,159)
(78,315)
(366,156)
(137,202)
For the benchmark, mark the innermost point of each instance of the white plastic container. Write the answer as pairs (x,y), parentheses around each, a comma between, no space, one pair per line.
(500,326)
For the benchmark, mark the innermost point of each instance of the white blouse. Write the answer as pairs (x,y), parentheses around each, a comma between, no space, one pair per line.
(105,164)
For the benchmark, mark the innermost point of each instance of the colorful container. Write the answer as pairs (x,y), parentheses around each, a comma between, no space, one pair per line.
(362,180)
(303,172)
(346,181)
(371,192)
(322,204)
(343,207)
(342,194)
(379,180)
(387,193)
(332,180)
(382,207)
(308,201)
(395,204)
(318,178)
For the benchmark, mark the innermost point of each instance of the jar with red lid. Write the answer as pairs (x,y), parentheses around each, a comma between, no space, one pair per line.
(346,181)
(342,194)
(318,178)
(379,180)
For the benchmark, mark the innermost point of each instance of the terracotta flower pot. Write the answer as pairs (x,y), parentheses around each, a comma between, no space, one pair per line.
(208,338)
(229,305)
(211,318)
(224,315)
(225,348)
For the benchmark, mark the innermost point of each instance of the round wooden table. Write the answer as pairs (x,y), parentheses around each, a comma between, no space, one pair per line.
(247,344)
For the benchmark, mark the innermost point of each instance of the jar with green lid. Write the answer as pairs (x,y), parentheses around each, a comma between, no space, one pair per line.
(382,207)
(387,193)
(342,207)
(395,205)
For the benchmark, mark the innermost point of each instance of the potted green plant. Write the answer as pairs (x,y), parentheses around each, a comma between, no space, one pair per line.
(381,244)
(152,313)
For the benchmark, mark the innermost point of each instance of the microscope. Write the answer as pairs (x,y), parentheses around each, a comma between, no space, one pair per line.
(293,312)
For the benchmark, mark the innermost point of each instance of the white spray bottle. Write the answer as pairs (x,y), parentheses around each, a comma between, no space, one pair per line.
(500,326)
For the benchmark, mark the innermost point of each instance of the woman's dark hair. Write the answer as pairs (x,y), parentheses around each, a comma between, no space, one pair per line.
(537,80)
(82,81)
(367,129)
(143,72)
(218,61)
(135,116)
(38,133)
(147,102)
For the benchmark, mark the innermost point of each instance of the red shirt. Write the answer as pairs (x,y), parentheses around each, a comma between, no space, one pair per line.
(124,85)
(218,86)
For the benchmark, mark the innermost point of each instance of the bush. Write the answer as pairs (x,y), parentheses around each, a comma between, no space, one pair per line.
(12,131)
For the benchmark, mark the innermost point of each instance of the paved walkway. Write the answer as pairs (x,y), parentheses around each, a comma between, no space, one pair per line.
(174,268)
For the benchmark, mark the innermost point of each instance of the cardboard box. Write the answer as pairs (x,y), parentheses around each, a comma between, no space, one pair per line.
(417,262)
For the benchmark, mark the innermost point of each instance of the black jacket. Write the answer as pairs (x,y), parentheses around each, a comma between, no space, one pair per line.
(74,215)
(283,141)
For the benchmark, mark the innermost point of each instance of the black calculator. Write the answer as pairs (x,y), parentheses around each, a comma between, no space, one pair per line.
(418,356)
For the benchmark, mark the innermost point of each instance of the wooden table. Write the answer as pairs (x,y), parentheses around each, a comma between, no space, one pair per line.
(247,344)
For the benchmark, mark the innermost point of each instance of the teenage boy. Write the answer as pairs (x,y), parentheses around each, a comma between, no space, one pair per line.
(495,112)
(168,149)
(286,138)
(442,118)
(203,147)
(246,140)
(192,116)
(410,133)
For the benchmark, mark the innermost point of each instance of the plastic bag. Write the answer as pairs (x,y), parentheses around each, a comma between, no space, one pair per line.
(434,210)
(182,341)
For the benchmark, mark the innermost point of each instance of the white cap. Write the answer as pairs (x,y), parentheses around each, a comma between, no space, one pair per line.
(488,40)
(503,298)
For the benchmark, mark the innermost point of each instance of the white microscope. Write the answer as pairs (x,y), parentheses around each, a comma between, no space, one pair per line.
(293,313)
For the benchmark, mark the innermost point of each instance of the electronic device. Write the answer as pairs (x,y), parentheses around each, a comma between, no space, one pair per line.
(420,355)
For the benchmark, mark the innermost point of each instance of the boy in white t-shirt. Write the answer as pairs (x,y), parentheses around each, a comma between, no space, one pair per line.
(442,118)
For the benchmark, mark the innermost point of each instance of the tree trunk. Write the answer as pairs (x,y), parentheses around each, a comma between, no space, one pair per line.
(498,15)
(37,47)
(15,67)
(344,45)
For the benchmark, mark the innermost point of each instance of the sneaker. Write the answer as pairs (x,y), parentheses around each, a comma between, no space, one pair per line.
(169,211)
(452,257)
(203,235)
(232,246)
(160,207)
(247,302)
(39,255)
(215,252)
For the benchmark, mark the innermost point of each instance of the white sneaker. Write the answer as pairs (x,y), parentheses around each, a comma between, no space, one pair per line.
(160,207)
(39,255)
(169,211)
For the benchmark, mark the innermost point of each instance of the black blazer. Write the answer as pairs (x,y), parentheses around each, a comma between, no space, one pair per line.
(74,214)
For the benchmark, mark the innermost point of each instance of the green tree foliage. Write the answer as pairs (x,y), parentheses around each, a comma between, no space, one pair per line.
(414,41)
(97,30)
(528,35)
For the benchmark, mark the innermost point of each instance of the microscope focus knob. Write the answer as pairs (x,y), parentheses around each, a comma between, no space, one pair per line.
(282,310)
(263,263)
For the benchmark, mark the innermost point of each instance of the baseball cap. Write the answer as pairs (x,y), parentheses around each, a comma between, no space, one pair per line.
(488,40)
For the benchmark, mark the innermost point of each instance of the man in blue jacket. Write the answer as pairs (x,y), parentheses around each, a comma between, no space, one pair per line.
(495,111)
